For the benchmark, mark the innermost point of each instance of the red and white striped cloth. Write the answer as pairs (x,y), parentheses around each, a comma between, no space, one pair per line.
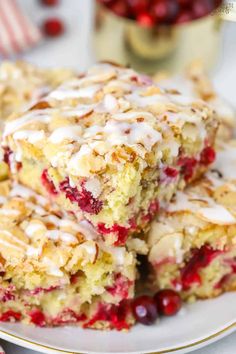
(17,32)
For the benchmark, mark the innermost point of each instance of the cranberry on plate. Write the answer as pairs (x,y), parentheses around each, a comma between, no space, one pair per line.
(168,302)
(145,310)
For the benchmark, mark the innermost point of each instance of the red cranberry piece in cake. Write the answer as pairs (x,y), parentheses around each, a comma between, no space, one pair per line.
(171,172)
(168,302)
(10,315)
(84,198)
(48,184)
(201,258)
(121,286)
(144,309)
(6,155)
(208,156)
(153,209)
(120,231)
(188,165)
(116,315)
(37,317)
(88,203)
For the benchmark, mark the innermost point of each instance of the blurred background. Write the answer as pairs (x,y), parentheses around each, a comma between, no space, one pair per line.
(166,34)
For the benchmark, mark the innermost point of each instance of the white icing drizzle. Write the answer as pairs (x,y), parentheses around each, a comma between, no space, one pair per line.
(217,214)
(34,227)
(80,111)
(118,254)
(110,103)
(94,186)
(12,237)
(26,193)
(145,101)
(31,136)
(53,269)
(204,207)
(9,244)
(63,92)
(87,230)
(33,252)
(5,211)
(130,134)
(58,235)
(132,116)
(72,132)
(34,116)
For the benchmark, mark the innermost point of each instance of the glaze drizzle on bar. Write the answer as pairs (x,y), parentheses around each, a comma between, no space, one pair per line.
(110,145)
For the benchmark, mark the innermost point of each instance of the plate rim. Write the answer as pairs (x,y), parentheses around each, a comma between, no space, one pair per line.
(26,343)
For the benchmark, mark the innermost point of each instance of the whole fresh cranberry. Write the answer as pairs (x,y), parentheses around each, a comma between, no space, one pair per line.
(145,19)
(165,11)
(145,310)
(138,6)
(185,3)
(49,2)
(106,2)
(208,155)
(184,17)
(120,8)
(53,27)
(218,3)
(202,8)
(168,302)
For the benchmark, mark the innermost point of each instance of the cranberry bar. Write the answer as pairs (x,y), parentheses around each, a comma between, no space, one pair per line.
(194,82)
(54,271)
(111,147)
(193,243)
(22,83)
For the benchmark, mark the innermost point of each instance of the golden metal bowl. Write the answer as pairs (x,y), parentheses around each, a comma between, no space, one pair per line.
(169,47)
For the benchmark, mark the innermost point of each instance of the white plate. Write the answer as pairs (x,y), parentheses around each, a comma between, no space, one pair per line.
(195,326)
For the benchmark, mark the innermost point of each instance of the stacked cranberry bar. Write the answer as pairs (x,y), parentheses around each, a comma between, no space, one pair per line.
(193,242)
(111,147)
(54,271)
(194,82)
(21,84)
